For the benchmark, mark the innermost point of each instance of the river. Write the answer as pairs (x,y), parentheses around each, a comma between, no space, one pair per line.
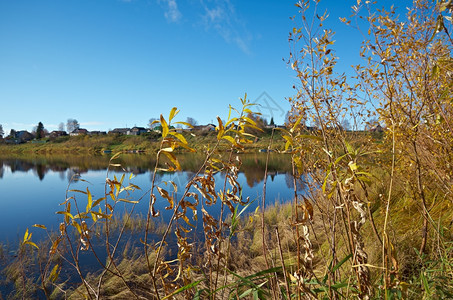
(32,187)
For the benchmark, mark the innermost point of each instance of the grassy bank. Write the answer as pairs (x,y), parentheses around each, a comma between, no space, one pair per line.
(147,143)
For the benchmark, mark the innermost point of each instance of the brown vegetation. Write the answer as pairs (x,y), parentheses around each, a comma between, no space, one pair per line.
(374,220)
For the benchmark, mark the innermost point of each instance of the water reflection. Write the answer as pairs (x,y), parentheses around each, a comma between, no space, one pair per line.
(32,187)
(253,165)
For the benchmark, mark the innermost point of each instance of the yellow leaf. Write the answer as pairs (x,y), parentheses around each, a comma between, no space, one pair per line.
(33,244)
(174,111)
(96,203)
(185,124)
(173,159)
(115,156)
(26,235)
(220,128)
(230,139)
(98,214)
(128,201)
(178,136)
(164,126)
(296,124)
(165,195)
(40,226)
(76,225)
(90,200)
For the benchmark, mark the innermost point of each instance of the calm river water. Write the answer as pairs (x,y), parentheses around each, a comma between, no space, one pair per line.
(32,187)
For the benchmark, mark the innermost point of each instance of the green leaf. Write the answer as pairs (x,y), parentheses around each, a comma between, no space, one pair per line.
(435,71)
(182,289)
(53,276)
(349,148)
(341,262)
(340,158)
(425,283)
(353,166)
(324,184)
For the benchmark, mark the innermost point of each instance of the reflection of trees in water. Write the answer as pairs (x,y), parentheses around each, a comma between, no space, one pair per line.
(19,166)
(73,174)
(135,170)
(253,165)
(62,175)
(253,175)
(300,182)
(159,176)
(41,171)
(2,170)
(189,175)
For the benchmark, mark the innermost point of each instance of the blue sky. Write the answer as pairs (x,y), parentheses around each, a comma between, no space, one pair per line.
(113,63)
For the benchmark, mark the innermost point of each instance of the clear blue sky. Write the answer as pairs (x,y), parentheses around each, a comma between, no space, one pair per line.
(117,63)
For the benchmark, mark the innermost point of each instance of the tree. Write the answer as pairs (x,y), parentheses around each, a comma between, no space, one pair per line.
(152,125)
(71,125)
(272,121)
(61,126)
(408,67)
(191,121)
(345,124)
(1,131)
(12,133)
(40,131)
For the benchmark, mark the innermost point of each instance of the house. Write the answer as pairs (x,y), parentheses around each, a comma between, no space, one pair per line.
(119,131)
(79,131)
(377,128)
(204,128)
(137,130)
(23,136)
(57,133)
(96,132)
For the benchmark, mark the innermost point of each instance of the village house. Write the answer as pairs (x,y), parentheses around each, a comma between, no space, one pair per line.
(79,131)
(57,133)
(96,132)
(119,131)
(137,131)
(204,128)
(377,128)
(23,136)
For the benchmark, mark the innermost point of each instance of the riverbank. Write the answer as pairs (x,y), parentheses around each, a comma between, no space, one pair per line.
(149,144)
